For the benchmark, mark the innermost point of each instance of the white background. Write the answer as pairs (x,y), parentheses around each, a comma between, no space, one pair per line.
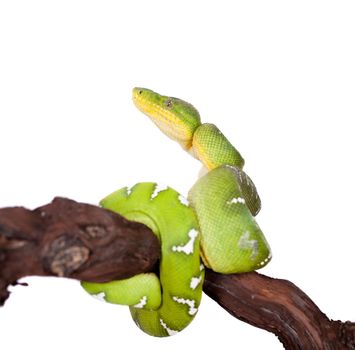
(277,77)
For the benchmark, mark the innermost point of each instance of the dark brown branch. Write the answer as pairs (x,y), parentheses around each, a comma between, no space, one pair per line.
(75,240)
(280,307)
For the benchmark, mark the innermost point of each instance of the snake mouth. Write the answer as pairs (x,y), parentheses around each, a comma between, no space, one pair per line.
(152,105)
(137,93)
(144,99)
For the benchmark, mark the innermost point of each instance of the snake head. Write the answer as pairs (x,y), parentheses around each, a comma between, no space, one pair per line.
(174,117)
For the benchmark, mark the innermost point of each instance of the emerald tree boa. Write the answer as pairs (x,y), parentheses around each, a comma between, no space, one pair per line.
(214,226)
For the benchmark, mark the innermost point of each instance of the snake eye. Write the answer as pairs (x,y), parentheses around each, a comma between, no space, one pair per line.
(169,103)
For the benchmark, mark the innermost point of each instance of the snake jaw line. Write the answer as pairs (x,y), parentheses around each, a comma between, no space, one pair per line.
(162,117)
(174,117)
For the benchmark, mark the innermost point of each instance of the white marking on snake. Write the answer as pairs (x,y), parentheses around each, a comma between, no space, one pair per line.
(183,200)
(158,188)
(99,296)
(142,302)
(202,267)
(236,200)
(128,190)
(188,248)
(190,303)
(246,243)
(266,260)
(169,331)
(195,281)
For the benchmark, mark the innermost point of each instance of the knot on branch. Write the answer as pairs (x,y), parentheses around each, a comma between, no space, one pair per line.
(94,231)
(64,255)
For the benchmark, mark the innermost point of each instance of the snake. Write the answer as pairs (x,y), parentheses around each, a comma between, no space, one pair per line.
(213,227)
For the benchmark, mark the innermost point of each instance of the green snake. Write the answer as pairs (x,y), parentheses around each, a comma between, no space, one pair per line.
(215,223)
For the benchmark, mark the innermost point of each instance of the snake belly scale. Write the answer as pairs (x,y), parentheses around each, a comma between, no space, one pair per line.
(215,223)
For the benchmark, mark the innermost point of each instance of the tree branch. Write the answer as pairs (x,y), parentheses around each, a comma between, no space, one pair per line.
(75,240)
(280,307)
(85,242)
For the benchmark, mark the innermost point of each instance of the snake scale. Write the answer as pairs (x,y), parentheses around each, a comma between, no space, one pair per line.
(215,223)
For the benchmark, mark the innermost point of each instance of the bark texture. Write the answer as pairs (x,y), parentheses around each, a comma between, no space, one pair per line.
(70,239)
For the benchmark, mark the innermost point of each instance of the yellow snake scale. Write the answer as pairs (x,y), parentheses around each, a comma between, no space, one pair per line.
(215,223)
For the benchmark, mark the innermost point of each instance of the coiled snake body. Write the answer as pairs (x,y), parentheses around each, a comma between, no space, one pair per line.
(215,223)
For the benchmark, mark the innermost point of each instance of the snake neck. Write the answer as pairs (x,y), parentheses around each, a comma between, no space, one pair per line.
(212,148)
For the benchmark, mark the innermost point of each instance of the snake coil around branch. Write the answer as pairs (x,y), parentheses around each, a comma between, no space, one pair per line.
(216,222)
(275,305)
